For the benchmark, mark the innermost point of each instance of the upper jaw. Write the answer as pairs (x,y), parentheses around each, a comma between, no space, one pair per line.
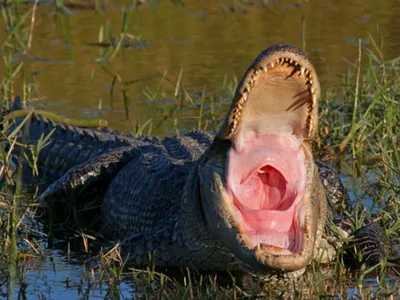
(268,62)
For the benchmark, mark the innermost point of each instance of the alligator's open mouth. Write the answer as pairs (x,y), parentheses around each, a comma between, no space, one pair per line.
(269,167)
(266,177)
(267,183)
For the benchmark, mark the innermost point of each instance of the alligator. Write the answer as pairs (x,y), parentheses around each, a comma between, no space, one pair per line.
(248,199)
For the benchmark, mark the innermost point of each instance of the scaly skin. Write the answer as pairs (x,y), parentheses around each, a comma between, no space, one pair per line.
(170,198)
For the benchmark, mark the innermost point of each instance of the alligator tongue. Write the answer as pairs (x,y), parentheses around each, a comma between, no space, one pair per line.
(266,180)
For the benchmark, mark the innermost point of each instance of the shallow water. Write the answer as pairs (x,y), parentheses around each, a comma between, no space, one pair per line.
(56,278)
(207,40)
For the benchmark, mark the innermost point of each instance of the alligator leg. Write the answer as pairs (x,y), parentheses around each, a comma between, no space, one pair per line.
(363,248)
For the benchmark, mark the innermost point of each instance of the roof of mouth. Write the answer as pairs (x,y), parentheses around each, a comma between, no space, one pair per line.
(280,56)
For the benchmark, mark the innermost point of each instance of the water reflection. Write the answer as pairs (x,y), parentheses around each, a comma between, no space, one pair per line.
(207,40)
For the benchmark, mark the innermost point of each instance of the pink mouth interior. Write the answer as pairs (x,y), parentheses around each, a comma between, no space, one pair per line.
(266,181)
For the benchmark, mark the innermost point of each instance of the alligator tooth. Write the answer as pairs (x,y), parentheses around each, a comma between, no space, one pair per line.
(310,81)
(244,96)
(296,64)
(257,247)
(278,61)
(314,98)
(291,61)
(302,70)
(272,65)
(312,90)
(265,69)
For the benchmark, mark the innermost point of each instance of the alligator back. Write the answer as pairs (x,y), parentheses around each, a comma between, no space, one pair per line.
(69,146)
(142,177)
(146,194)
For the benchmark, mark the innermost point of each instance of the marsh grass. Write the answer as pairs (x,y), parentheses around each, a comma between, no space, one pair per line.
(359,135)
(367,127)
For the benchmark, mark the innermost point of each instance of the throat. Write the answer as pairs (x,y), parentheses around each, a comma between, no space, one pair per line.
(266,182)
(264,189)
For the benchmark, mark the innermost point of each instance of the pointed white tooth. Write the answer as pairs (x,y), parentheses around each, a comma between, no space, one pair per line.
(302,70)
(291,61)
(310,81)
(257,247)
(265,69)
(272,65)
(244,96)
(296,64)
(314,98)
(312,90)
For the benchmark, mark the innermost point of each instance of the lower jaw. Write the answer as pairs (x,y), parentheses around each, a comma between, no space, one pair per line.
(276,258)
(225,224)
(272,240)
(278,255)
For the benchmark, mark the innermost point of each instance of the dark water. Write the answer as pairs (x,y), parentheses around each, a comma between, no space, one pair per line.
(207,40)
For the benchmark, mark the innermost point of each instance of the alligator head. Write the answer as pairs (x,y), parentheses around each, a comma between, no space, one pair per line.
(259,188)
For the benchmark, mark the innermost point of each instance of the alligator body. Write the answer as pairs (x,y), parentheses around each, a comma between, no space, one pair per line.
(249,198)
